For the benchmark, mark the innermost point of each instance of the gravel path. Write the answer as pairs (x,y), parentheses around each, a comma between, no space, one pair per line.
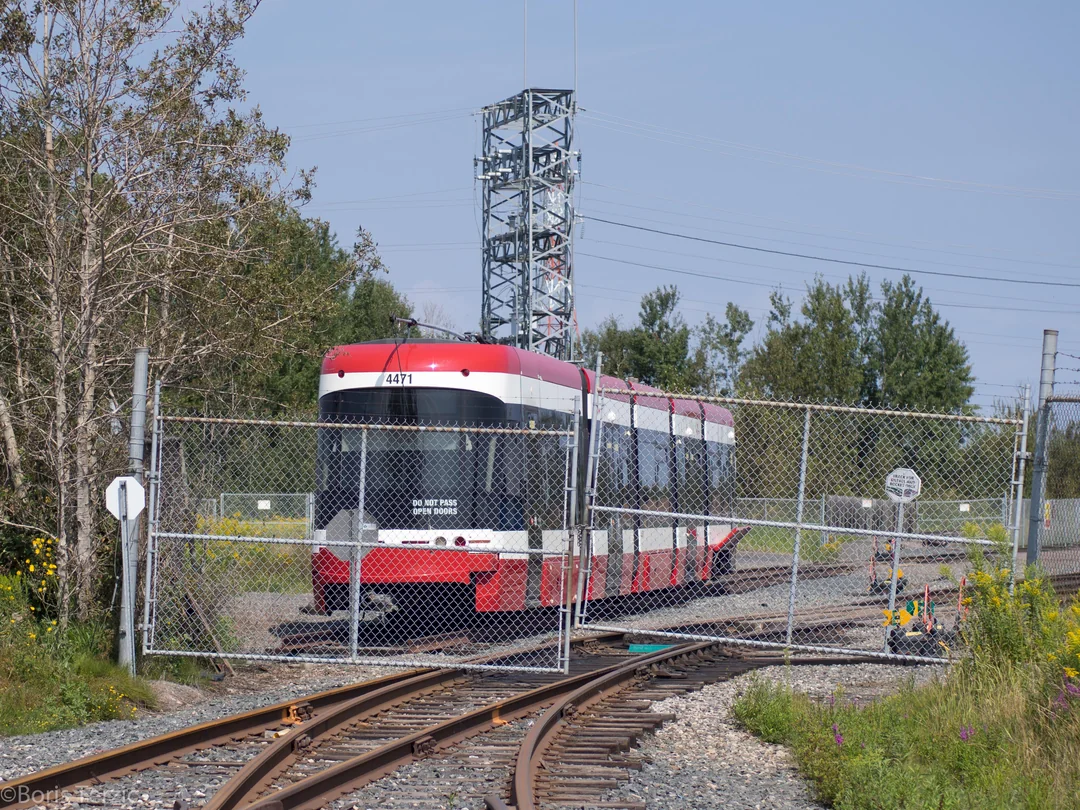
(705,760)
(23,755)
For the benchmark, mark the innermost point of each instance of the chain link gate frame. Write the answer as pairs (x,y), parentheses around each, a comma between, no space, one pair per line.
(422,545)
(671,477)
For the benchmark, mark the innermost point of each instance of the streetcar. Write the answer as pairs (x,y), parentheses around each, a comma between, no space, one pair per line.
(453,523)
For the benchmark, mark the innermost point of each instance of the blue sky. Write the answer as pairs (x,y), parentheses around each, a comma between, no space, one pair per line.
(936,137)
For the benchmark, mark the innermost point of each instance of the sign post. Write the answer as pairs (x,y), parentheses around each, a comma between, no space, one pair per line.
(125,499)
(902,486)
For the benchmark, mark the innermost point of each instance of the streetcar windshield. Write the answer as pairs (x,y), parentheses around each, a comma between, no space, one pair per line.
(412,406)
(455,479)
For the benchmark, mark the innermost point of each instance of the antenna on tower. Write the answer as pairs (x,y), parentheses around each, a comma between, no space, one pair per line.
(527,171)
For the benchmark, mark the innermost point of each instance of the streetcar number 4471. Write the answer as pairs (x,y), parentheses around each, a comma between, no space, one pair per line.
(398,379)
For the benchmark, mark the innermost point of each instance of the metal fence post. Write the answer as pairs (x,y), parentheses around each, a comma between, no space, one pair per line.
(127,589)
(356,554)
(1042,429)
(1019,487)
(575,586)
(803,460)
(895,568)
(151,512)
(596,425)
(824,534)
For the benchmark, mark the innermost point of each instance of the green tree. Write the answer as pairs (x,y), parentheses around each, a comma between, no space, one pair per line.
(917,360)
(848,348)
(720,344)
(662,350)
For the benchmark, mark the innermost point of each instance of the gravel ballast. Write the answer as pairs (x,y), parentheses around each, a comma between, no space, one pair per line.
(22,755)
(703,759)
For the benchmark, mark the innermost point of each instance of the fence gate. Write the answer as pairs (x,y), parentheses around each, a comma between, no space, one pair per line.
(1059,530)
(360,543)
(767,523)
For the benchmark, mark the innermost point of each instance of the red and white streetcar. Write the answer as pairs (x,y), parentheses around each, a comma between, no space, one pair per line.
(447,516)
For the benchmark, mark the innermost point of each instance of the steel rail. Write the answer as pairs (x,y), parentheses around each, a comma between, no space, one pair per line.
(542,733)
(157,750)
(117,762)
(258,771)
(314,791)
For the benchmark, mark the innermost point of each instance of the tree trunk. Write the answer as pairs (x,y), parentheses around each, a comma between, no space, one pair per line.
(11,450)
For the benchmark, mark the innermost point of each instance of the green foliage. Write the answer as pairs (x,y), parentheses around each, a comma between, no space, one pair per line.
(663,351)
(1063,450)
(54,678)
(847,348)
(1001,731)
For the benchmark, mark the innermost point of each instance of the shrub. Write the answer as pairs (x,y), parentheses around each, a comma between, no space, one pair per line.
(1001,731)
(52,677)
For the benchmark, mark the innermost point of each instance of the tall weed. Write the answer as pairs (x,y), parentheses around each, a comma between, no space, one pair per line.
(1001,731)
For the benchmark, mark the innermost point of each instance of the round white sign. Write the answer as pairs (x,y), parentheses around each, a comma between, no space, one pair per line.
(903,485)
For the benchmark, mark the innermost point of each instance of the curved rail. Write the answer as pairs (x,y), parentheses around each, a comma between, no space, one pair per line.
(314,791)
(30,790)
(601,684)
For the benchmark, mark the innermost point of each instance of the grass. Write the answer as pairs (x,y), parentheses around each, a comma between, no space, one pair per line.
(52,677)
(1002,730)
(253,566)
(775,540)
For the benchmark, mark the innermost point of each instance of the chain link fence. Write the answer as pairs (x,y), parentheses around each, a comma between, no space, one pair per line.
(768,522)
(417,545)
(1059,529)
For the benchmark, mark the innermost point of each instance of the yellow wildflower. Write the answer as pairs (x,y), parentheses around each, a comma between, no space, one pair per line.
(1070,672)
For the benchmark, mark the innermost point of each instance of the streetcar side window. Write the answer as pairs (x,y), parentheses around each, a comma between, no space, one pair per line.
(654,468)
(721,478)
(691,465)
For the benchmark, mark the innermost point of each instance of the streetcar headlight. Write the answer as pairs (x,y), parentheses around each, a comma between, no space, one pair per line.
(440,541)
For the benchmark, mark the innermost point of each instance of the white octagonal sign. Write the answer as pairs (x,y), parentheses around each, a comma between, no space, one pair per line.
(136,496)
(903,485)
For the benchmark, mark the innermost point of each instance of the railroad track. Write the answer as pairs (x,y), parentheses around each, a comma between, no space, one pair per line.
(306,753)
(221,746)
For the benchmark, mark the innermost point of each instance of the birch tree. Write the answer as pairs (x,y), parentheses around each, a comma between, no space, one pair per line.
(136,191)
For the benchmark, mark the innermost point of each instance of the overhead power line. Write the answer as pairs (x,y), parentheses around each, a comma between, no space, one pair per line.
(804,271)
(833,260)
(931,245)
(683,215)
(781,158)
(713,277)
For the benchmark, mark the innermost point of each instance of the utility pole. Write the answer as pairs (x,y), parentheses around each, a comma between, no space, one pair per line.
(1042,429)
(127,499)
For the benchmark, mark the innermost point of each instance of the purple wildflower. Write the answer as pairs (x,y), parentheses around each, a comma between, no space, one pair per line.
(832,700)
(862,745)
(1061,701)
(1072,689)
(839,739)
(835,729)
(967,732)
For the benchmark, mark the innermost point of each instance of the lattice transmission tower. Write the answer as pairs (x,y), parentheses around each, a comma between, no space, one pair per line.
(527,168)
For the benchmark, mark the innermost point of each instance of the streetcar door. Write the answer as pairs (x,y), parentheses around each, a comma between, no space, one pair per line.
(536,512)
